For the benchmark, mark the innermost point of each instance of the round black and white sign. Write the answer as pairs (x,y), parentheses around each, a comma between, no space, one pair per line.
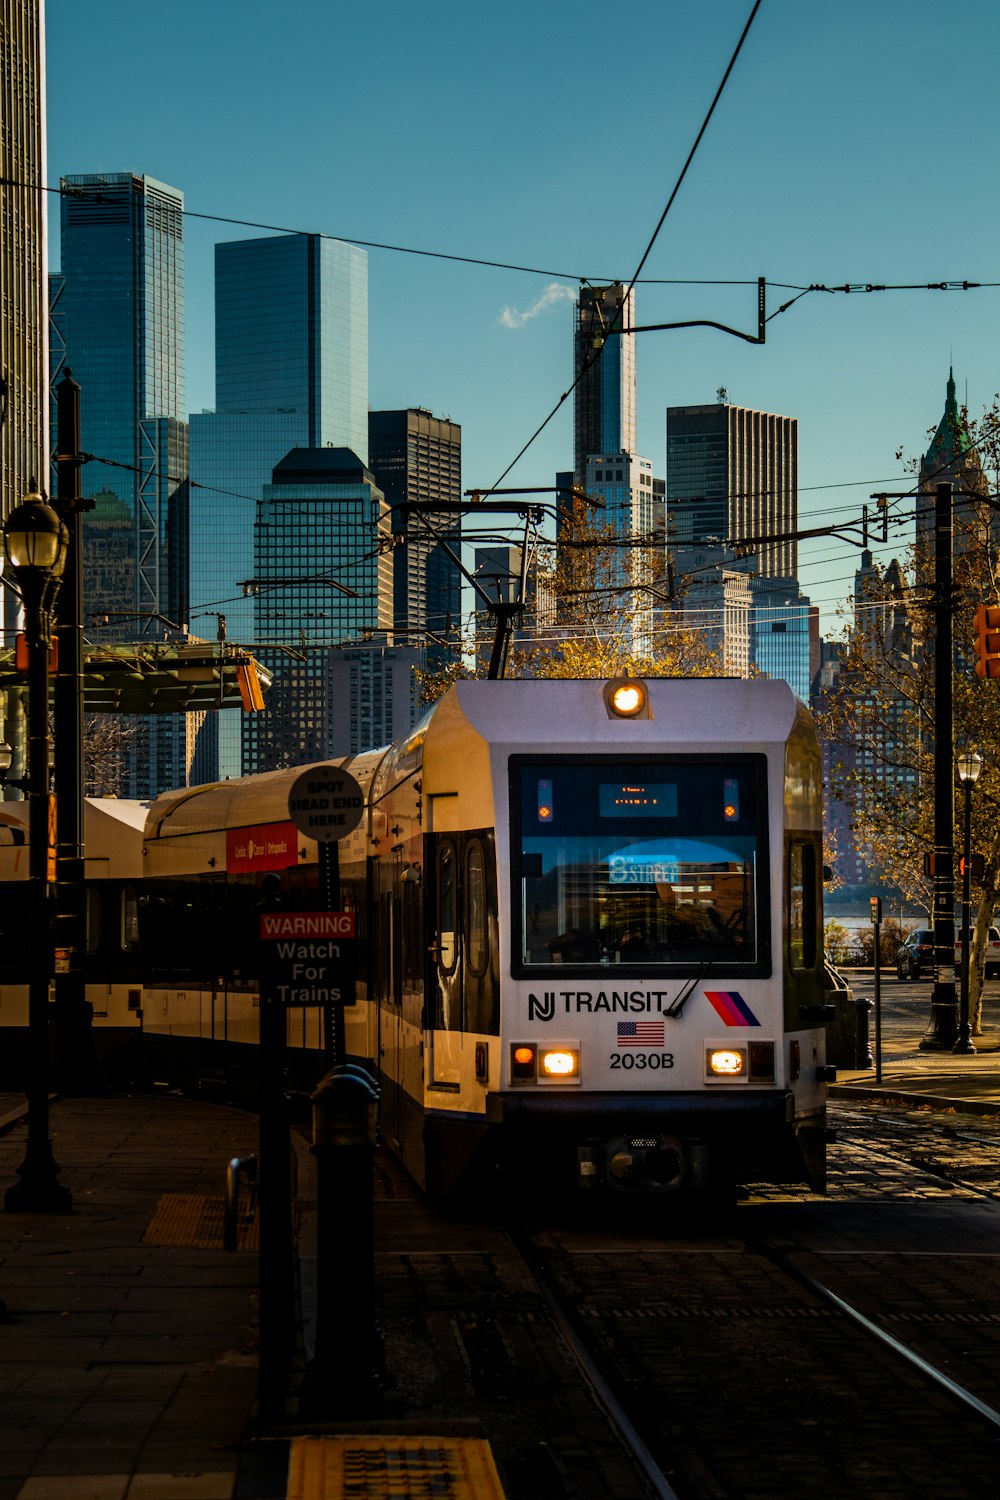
(326,803)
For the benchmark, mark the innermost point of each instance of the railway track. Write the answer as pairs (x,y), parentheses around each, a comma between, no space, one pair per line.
(728,1368)
(844,1344)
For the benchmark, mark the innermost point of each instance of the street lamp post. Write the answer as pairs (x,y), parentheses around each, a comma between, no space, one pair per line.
(35,543)
(969,766)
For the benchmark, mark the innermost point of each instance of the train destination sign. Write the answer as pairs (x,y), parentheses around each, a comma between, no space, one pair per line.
(308,956)
(326,803)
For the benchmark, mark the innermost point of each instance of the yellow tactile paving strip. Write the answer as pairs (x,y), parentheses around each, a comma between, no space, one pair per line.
(374,1467)
(194,1221)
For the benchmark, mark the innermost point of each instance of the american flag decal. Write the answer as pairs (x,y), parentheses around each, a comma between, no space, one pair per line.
(640,1033)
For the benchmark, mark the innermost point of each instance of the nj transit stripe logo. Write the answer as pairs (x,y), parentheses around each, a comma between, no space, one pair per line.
(731,1007)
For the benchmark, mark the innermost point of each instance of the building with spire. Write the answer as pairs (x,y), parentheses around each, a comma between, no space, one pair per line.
(952,459)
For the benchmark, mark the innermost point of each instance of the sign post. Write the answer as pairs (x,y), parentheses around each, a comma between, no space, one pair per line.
(276,1274)
(326,803)
(875,904)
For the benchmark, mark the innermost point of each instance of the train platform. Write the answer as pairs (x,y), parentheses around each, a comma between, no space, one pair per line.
(129,1335)
(129,1360)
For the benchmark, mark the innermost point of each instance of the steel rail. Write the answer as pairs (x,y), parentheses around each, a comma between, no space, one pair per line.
(599,1387)
(924,1367)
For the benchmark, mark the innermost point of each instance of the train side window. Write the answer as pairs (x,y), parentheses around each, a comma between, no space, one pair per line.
(477,951)
(802,906)
(92,919)
(447,907)
(129,919)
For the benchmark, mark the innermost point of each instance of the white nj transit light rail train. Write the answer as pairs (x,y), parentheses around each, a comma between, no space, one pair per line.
(589,930)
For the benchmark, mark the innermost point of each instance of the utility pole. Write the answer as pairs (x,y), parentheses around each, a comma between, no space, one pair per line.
(942,1027)
(76,1067)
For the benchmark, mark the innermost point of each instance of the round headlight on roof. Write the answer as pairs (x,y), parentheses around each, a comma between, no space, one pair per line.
(627,698)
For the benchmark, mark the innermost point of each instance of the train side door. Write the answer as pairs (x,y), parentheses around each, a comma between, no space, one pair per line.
(389,983)
(445,989)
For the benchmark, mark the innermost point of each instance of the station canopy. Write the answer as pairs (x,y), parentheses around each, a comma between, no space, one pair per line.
(154,677)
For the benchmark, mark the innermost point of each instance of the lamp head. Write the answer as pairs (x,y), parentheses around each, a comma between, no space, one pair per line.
(969,766)
(35,539)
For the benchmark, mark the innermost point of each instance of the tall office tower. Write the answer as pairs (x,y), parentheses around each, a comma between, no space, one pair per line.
(604,397)
(372,695)
(417,459)
(319,580)
(24,441)
(952,459)
(780,636)
(23,317)
(717,603)
(623,485)
(732,474)
(291,370)
(119,324)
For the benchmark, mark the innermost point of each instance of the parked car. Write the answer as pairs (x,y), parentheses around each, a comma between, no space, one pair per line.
(916,954)
(992,952)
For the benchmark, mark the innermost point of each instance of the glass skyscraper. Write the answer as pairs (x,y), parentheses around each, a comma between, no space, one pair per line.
(118,323)
(320,579)
(121,320)
(604,398)
(291,370)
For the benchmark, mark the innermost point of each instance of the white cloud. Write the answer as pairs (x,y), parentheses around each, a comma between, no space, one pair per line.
(553,295)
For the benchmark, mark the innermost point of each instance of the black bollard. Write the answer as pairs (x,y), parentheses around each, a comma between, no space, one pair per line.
(863,1057)
(347,1370)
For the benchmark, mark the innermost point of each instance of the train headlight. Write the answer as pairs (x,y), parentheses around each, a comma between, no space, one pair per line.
(530,1063)
(627,698)
(561,1062)
(725,1062)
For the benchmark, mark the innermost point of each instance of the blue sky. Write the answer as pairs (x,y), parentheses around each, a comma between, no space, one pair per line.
(855,143)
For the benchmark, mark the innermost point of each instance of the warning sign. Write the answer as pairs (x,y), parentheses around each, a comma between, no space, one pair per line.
(308,957)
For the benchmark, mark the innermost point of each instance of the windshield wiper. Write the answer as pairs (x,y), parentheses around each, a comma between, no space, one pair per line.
(725,930)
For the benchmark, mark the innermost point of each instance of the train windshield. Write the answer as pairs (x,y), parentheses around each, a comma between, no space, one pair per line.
(646,865)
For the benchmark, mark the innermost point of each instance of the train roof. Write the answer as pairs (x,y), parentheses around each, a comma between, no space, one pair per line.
(112,831)
(571,712)
(242,803)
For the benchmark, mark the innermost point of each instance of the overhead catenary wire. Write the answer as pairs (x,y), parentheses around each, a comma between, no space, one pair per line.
(235,221)
(586,364)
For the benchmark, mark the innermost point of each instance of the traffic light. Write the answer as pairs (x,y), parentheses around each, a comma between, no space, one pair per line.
(987,642)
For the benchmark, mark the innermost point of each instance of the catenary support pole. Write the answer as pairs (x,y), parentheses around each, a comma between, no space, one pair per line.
(76,1069)
(942,1027)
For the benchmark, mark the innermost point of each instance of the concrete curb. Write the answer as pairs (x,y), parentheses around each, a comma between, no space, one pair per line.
(913,1099)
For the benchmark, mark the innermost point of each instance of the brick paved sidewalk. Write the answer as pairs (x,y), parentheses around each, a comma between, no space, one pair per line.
(128,1369)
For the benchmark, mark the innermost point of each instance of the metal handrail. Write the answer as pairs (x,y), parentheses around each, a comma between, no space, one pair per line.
(239,1167)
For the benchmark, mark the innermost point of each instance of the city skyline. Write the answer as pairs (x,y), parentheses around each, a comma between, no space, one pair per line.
(807,154)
